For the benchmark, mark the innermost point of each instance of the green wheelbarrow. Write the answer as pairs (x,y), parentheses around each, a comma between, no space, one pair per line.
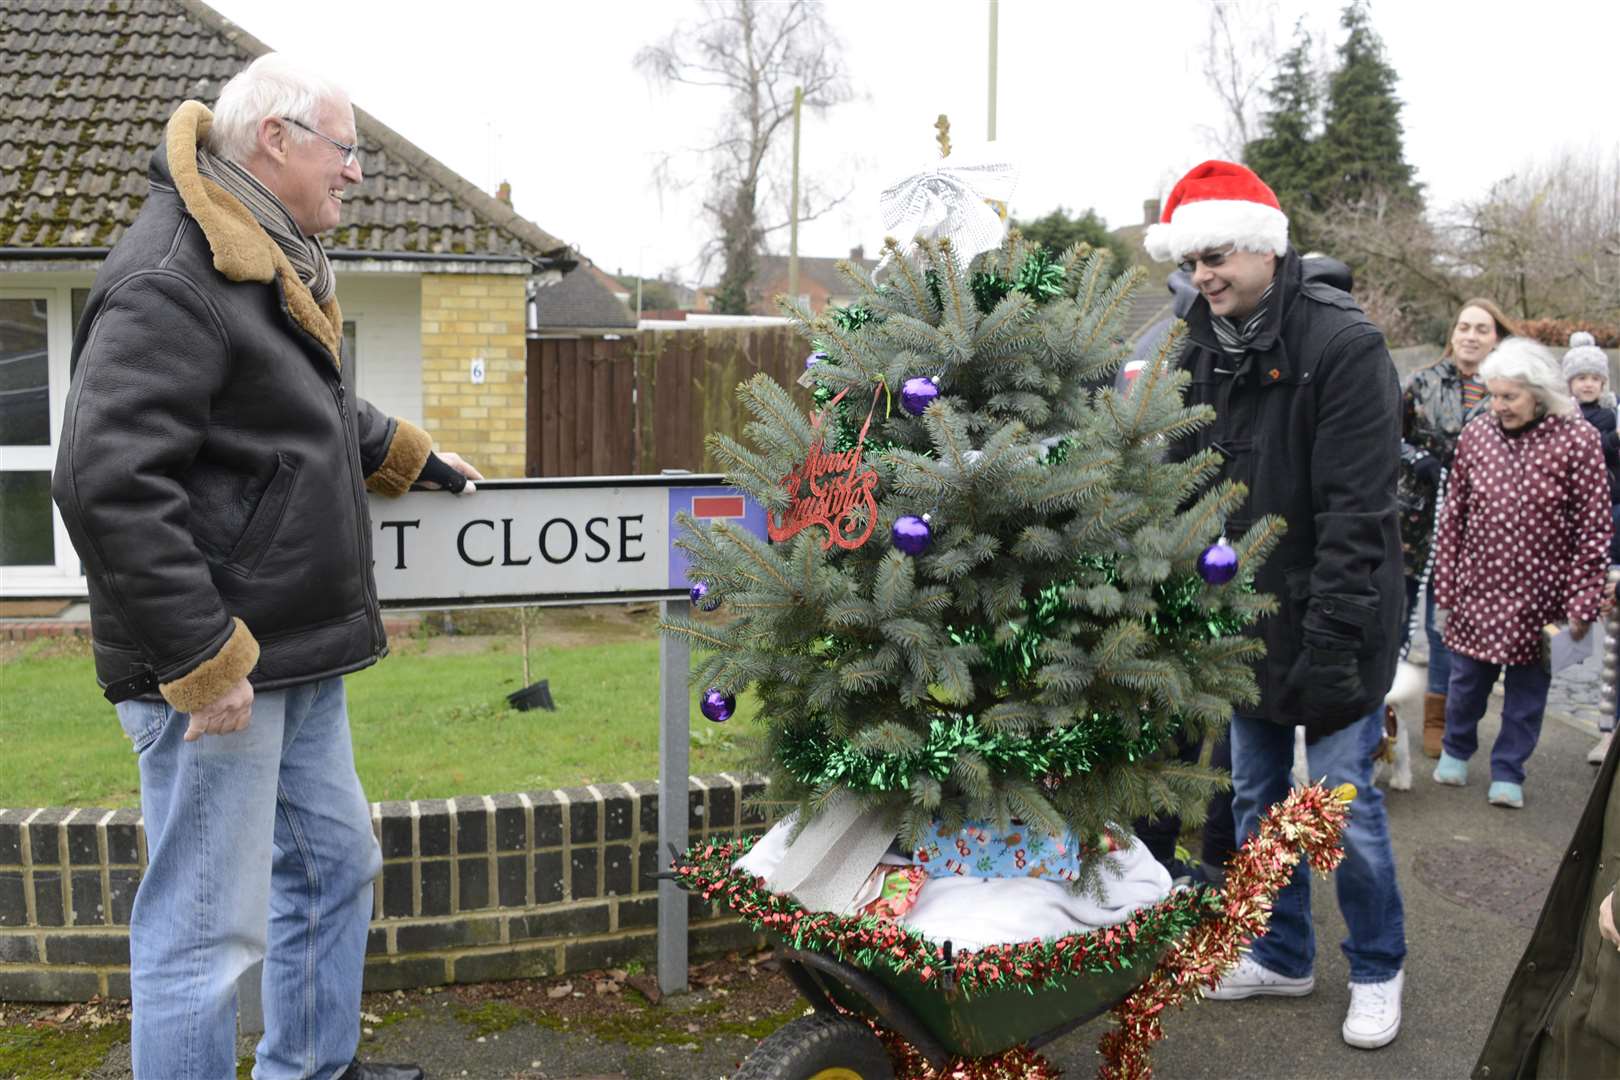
(940,1023)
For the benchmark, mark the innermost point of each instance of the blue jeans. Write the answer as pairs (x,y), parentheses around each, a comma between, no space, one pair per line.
(1439,655)
(259,845)
(1524,702)
(1369,898)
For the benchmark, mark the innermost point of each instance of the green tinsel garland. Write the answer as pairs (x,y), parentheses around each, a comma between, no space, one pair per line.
(870,942)
(1179,616)
(813,757)
(1039,278)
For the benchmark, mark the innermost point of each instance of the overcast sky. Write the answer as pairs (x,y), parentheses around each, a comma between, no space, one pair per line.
(1099,104)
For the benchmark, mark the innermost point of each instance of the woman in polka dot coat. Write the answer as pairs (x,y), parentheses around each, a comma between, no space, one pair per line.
(1523,541)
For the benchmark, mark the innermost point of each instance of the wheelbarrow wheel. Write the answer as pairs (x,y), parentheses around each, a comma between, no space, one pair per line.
(819,1047)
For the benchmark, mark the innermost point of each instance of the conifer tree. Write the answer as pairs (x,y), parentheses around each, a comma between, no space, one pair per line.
(1287,153)
(1361,154)
(1055,636)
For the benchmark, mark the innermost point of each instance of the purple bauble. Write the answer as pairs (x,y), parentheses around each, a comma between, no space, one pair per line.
(703,598)
(917,393)
(813,359)
(717,706)
(912,534)
(1218,563)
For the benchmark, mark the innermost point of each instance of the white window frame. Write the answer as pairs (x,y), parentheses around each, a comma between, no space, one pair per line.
(61,578)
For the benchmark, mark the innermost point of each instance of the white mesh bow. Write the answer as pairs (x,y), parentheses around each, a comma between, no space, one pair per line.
(948,200)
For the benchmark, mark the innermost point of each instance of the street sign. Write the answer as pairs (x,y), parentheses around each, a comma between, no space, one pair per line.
(573,540)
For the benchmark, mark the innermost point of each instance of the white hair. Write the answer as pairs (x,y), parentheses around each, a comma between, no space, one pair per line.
(1521,360)
(270,86)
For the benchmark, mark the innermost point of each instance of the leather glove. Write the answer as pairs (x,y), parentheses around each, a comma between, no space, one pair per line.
(1329,683)
(1426,470)
(436,471)
(1327,675)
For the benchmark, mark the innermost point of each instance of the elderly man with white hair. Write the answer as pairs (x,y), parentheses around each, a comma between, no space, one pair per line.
(213,471)
(1523,541)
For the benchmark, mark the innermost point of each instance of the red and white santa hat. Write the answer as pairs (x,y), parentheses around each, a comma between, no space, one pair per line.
(1215,204)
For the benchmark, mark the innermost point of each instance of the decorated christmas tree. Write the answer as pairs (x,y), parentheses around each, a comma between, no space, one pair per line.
(989,598)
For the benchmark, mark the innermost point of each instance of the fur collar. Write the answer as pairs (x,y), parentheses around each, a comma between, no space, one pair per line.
(242,250)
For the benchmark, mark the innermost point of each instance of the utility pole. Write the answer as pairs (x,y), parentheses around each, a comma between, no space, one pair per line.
(994,4)
(793,211)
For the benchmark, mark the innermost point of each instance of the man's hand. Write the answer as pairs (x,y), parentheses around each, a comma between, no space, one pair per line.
(454,460)
(233,712)
(1606,921)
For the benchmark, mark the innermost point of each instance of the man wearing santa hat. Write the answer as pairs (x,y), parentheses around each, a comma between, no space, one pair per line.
(1307,418)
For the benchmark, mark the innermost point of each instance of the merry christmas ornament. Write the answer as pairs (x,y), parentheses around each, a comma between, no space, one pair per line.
(716,705)
(912,534)
(832,489)
(1218,563)
(917,394)
(703,598)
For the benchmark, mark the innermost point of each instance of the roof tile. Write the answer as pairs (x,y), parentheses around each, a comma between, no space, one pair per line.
(89,85)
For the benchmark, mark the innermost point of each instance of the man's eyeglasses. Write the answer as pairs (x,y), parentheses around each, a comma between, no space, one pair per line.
(1211,259)
(350,150)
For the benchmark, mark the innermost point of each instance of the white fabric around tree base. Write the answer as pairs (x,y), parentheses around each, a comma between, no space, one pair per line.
(974,912)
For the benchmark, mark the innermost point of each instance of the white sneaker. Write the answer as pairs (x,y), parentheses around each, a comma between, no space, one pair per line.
(1248,979)
(1374,1018)
(1596,755)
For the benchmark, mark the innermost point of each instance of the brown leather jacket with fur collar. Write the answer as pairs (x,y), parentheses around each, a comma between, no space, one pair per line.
(214,460)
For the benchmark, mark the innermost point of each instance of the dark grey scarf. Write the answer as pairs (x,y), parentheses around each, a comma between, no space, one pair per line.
(1234,337)
(305,253)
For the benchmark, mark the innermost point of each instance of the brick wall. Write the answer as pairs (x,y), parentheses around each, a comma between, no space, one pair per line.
(472,889)
(466,316)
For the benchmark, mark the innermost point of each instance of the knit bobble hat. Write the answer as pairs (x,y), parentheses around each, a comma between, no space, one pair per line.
(1585,358)
(1215,204)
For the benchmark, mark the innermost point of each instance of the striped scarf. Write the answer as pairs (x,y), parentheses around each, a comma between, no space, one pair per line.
(1234,337)
(305,253)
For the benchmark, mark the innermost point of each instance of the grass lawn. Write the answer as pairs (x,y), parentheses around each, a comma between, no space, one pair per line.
(431,720)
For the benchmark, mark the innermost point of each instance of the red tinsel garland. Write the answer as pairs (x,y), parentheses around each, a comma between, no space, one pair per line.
(1019,1063)
(869,942)
(1305,825)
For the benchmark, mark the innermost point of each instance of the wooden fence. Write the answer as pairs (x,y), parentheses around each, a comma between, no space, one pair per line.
(645,402)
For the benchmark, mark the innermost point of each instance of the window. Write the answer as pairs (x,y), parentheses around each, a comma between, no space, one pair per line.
(36,329)
(25,379)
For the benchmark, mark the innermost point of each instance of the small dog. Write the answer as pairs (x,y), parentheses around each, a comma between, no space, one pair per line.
(1403,706)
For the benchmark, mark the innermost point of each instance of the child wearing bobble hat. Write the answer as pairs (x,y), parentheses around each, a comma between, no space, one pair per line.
(1586,369)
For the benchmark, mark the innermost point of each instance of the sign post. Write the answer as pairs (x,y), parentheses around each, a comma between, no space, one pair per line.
(577,540)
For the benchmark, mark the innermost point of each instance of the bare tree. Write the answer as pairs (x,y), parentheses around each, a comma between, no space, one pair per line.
(1405,278)
(1545,242)
(1238,54)
(757,53)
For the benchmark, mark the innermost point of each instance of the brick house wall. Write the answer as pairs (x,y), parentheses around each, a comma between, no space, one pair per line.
(465,316)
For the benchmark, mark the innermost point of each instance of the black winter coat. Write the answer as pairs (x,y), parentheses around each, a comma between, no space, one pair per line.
(214,460)
(1309,422)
